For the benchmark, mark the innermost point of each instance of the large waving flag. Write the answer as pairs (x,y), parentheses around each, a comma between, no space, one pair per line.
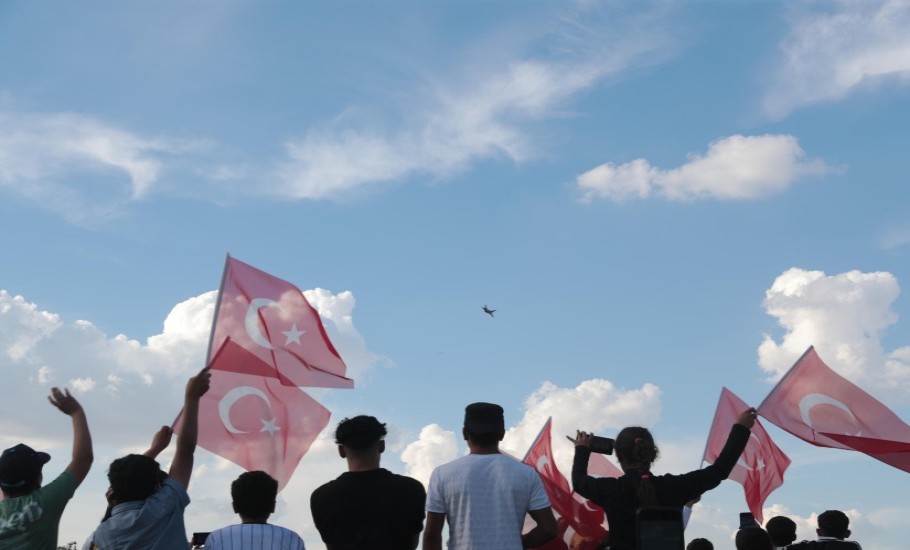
(250,418)
(817,405)
(580,522)
(272,319)
(760,469)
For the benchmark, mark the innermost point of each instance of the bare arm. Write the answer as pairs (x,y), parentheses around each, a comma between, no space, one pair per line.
(83,456)
(415,540)
(182,465)
(545,530)
(160,442)
(432,533)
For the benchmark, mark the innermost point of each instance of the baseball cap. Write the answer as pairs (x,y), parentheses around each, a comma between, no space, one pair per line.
(20,465)
(484,418)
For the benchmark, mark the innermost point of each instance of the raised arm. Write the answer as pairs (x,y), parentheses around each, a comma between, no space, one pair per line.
(160,442)
(83,456)
(182,465)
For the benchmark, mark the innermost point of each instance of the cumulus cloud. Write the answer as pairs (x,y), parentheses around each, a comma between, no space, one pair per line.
(481,113)
(434,446)
(734,168)
(844,316)
(834,49)
(41,152)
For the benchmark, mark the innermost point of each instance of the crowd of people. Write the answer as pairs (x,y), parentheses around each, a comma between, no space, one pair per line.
(483,497)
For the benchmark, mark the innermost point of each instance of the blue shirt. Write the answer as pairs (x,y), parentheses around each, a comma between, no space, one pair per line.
(155,523)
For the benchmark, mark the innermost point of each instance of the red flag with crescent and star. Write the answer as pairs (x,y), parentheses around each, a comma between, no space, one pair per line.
(272,319)
(760,469)
(250,418)
(581,523)
(817,405)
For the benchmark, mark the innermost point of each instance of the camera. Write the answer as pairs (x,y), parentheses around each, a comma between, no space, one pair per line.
(747,520)
(601,445)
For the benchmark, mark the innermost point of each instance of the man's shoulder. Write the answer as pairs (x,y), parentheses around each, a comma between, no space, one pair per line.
(825,545)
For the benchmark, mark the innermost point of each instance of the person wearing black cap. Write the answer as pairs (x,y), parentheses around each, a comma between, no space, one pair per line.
(833,528)
(485,495)
(367,506)
(30,514)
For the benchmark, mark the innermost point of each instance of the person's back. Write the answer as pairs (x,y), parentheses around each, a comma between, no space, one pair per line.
(833,529)
(367,506)
(29,513)
(253,497)
(485,495)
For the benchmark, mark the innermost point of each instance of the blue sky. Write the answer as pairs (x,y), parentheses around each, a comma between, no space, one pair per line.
(658,198)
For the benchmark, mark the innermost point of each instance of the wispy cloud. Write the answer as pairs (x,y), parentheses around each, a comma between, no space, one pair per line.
(63,159)
(735,167)
(834,49)
(895,238)
(471,113)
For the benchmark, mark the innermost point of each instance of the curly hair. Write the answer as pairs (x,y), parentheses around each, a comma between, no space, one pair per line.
(254,494)
(134,477)
(359,433)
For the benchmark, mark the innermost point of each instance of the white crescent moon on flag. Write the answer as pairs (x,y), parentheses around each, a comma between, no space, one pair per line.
(740,460)
(811,400)
(251,321)
(231,397)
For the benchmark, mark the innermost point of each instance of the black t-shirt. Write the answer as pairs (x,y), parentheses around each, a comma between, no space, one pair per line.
(375,509)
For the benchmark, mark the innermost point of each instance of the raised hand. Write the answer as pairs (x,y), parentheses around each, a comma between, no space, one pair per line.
(199,384)
(64,401)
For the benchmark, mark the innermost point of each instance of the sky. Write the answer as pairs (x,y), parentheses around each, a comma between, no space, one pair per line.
(658,198)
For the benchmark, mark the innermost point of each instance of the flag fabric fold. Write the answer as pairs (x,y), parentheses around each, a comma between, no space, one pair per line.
(760,469)
(272,319)
(581,523)
(819,406)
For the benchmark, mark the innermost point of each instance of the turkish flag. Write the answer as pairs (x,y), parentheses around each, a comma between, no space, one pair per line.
(760,469)
(272,319)
(817,405)
(580,522)
(250,418)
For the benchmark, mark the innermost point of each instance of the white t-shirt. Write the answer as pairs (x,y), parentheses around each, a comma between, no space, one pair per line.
(253,536)
(485,499)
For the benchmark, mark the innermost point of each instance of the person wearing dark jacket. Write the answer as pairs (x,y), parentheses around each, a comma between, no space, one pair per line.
(638,487)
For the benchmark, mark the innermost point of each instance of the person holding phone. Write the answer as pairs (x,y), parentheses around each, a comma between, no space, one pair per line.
(638,487)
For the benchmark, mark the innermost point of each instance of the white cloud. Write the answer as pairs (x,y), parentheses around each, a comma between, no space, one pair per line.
(834,49)
(477,112)
(735,167)
(844,316)
(434,446)
(41,154)
(895,238)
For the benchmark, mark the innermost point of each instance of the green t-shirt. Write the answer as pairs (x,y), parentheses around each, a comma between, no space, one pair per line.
(31,521)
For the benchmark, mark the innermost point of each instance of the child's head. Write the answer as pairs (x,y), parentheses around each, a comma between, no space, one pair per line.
(833,523)
(254,494)
(133,477)
(782,530)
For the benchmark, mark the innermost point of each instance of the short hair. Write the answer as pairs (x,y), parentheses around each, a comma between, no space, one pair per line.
(700,544)
(134,477)
(254,494)
(753,538)
(834,523)
(484,439)
(359,433)
(782,530)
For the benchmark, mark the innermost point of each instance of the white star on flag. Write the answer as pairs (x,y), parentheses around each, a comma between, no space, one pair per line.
(293,335)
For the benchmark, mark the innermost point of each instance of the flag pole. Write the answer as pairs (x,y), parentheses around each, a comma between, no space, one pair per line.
(781,381)
(208,353)
(536,439)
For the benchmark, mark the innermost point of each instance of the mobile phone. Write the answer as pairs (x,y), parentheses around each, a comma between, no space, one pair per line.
(660,528)
(746,520)
(602,445)
(199,539)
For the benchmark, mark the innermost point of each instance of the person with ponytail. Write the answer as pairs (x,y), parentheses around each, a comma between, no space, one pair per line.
(638,487)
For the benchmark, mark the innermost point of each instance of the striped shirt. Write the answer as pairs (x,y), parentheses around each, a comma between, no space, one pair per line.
(253,536)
